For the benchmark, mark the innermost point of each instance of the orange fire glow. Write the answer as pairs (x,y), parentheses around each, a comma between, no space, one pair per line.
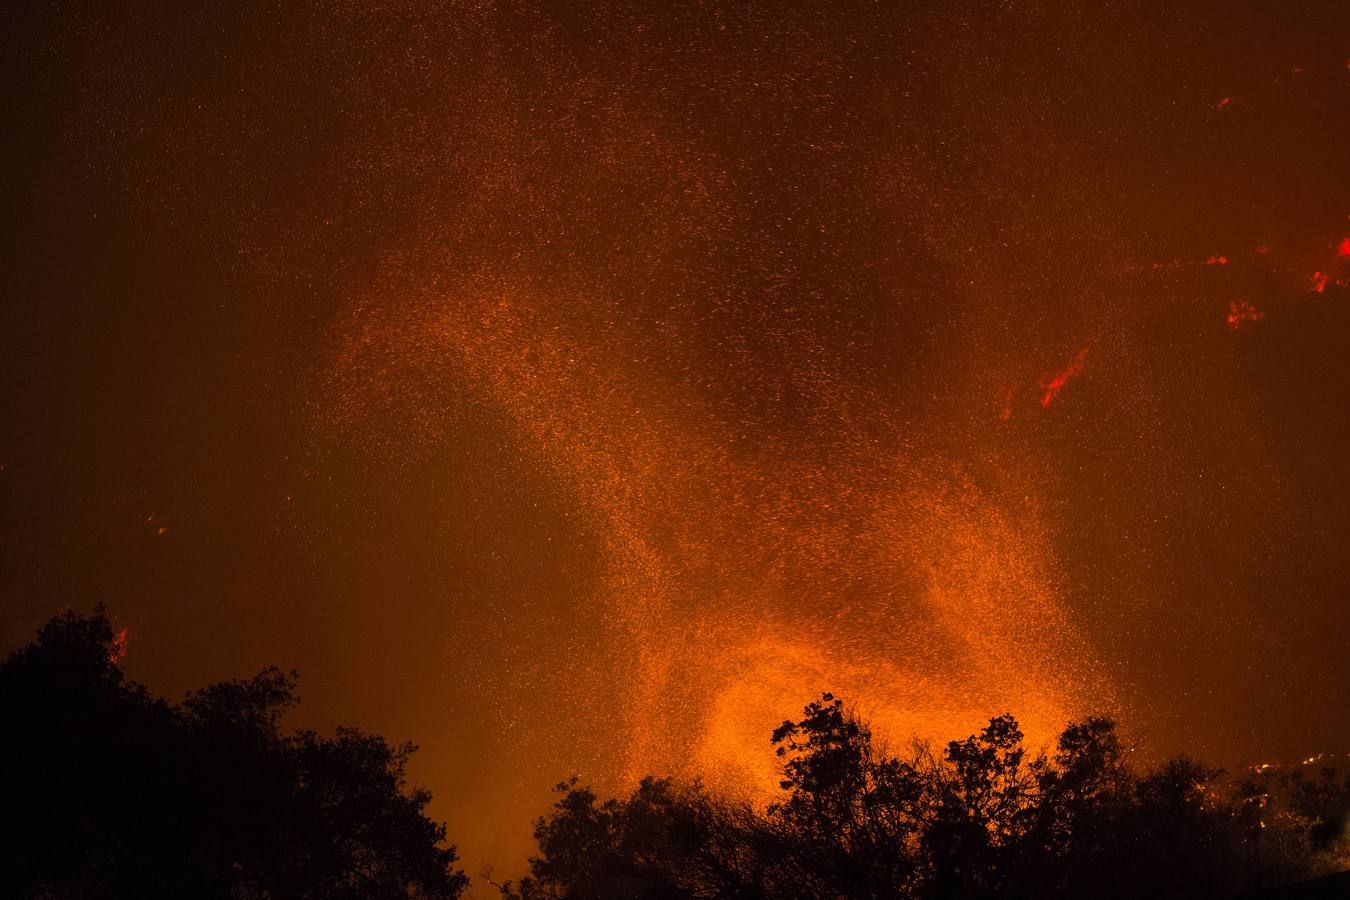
(708,554)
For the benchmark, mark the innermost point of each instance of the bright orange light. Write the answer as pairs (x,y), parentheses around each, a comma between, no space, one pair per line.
(731,584)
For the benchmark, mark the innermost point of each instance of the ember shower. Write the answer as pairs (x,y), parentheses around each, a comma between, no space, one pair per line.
(613,379)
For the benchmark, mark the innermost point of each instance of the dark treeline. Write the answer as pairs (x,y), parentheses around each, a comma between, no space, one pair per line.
(111,792)
(981,819)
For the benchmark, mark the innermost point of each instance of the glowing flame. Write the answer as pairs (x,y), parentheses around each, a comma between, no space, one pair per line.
(1343,249)
(119,647)
(1217,261)
(1241,312)
(1224,103)
(1054,385)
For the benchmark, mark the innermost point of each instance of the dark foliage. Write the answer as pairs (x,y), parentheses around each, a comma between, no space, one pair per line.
(110,792)
(983,819)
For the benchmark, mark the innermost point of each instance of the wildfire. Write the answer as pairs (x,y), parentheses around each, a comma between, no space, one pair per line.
(1240,312)
(1055,384)
(119,647)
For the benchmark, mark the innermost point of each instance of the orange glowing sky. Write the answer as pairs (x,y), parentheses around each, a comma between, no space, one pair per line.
(582,388)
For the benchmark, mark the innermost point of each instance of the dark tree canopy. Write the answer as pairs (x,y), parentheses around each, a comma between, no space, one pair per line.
(982,819)
(111,792)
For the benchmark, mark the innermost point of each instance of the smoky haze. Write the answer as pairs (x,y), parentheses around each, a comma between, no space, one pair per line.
(583,389)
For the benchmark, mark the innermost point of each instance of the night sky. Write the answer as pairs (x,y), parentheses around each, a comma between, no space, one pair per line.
(581,388)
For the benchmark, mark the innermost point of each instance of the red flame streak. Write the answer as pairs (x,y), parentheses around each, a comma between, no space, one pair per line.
(1054,385)
(1343,249)
(1241,312)
(119,647)
(1223,104)
(1319,282)
(1217,261)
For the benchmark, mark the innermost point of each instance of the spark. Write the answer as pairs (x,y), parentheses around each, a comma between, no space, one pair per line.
(711,552)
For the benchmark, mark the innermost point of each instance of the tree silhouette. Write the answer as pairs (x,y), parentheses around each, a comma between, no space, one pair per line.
(665,841)
(111,792)
(853,815)
(983,819)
